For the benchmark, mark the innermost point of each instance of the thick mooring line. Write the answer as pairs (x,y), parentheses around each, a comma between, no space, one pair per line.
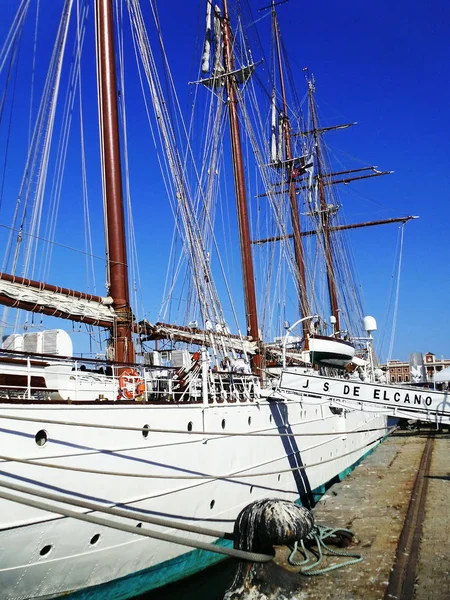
(402,579)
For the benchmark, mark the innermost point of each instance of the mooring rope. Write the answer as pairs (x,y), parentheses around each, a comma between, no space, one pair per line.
(230,476)
(318,535)
(185,432)
(129,513)
(166,537)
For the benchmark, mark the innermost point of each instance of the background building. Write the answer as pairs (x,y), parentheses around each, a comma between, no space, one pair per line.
(398,371)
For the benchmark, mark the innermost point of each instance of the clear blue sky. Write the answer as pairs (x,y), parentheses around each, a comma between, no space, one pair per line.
(384,65)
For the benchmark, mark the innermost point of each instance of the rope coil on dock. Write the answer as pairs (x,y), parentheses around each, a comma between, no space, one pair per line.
(318,535)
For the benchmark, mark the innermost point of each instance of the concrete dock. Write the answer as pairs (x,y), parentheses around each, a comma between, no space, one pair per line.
(373,502)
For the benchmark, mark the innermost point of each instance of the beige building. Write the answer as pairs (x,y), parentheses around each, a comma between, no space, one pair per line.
(399,370)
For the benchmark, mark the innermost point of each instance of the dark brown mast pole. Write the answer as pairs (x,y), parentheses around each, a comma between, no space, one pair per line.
(324,217)
(298,246)
(115,222)
(239,184)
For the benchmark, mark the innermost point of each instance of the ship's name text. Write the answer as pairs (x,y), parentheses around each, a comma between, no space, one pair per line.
(367,393)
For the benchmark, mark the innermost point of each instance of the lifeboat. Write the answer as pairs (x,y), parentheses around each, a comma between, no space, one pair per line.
(330,351)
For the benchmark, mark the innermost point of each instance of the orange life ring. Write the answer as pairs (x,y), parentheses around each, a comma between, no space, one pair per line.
(196,356)
(131,385)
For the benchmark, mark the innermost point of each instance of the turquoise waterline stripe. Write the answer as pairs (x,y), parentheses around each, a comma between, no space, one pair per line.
(155,577)
(182,566)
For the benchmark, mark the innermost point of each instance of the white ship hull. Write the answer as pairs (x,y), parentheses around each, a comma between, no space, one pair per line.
(46,555)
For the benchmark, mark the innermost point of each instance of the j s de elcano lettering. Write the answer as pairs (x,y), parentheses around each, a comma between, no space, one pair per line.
(367,392)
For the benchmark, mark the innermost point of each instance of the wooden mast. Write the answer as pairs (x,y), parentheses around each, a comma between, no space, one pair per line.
(296,232)
(112,181)
(239,184)
(324,212)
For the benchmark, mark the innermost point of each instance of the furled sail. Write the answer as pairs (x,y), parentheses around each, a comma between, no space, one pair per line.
(35,296)
(207,47)
(194,335)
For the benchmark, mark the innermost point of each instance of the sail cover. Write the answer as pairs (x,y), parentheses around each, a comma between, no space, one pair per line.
(193,335)
(55,301)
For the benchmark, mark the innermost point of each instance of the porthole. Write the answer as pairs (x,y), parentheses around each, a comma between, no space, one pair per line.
(41,437)
(190,426)
(279,477)
(139,525)
(251,489)
(211,504)
(249,420)
(94,539)
(145,431)
(223,423)
(270,418)
(45,550)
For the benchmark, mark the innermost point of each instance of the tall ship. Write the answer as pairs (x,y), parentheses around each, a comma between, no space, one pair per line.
(132,438)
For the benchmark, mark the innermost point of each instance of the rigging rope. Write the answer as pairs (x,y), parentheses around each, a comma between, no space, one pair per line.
(199,260)
(397,291)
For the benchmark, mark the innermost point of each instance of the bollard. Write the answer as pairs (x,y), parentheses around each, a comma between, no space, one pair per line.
(258,528)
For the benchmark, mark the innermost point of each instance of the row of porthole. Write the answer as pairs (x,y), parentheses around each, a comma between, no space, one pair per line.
(41,437)
(95,538)
(190,426)
(45,550)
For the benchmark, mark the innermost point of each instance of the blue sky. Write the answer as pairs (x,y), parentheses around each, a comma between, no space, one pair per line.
(384,65)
